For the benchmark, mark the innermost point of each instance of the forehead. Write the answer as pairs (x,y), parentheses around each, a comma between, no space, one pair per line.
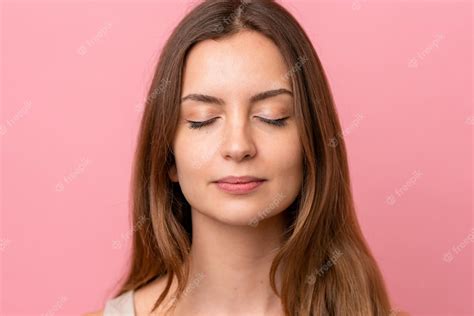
(246,61)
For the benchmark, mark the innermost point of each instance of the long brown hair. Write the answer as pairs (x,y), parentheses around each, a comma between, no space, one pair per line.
(326,265)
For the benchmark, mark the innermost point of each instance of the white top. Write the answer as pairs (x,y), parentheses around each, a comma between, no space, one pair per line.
(120,306)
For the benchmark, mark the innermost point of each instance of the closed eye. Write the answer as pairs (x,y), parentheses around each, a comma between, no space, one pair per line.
(197,125)
(279,122)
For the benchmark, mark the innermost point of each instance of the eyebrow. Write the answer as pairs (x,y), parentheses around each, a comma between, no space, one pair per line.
(255,98)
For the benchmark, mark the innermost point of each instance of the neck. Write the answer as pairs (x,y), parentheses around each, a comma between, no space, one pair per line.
(230,265)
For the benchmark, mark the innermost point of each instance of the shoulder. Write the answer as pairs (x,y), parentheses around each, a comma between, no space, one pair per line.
(121,302)
(146,296)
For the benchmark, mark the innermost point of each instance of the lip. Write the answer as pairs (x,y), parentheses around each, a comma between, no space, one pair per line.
(235,180)
(239,188)
(239,185)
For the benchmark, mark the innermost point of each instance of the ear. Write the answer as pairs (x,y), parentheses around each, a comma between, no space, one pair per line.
(173,173)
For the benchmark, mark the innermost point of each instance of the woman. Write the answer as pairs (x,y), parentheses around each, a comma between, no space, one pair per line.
(241,198)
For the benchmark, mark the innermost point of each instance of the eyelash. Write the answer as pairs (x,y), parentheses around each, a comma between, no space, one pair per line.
(278,123)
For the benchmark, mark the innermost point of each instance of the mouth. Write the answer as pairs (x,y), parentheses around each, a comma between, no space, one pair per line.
(241,185)
(239,180)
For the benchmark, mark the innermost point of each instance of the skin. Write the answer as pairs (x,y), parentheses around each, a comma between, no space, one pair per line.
(235,237)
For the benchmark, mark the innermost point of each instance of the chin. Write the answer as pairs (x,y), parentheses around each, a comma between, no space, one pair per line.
(234,216)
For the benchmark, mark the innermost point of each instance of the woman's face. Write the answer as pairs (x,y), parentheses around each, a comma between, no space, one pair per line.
(219,80)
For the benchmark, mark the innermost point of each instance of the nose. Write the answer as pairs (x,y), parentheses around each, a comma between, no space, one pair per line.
(237,143)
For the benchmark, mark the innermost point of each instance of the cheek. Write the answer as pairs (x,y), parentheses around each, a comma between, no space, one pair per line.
(287,156)
(289,172)
(189,172)
(289,165)
(193,156)
(198,153)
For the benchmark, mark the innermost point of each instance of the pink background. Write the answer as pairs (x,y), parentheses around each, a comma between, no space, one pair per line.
(74,76)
